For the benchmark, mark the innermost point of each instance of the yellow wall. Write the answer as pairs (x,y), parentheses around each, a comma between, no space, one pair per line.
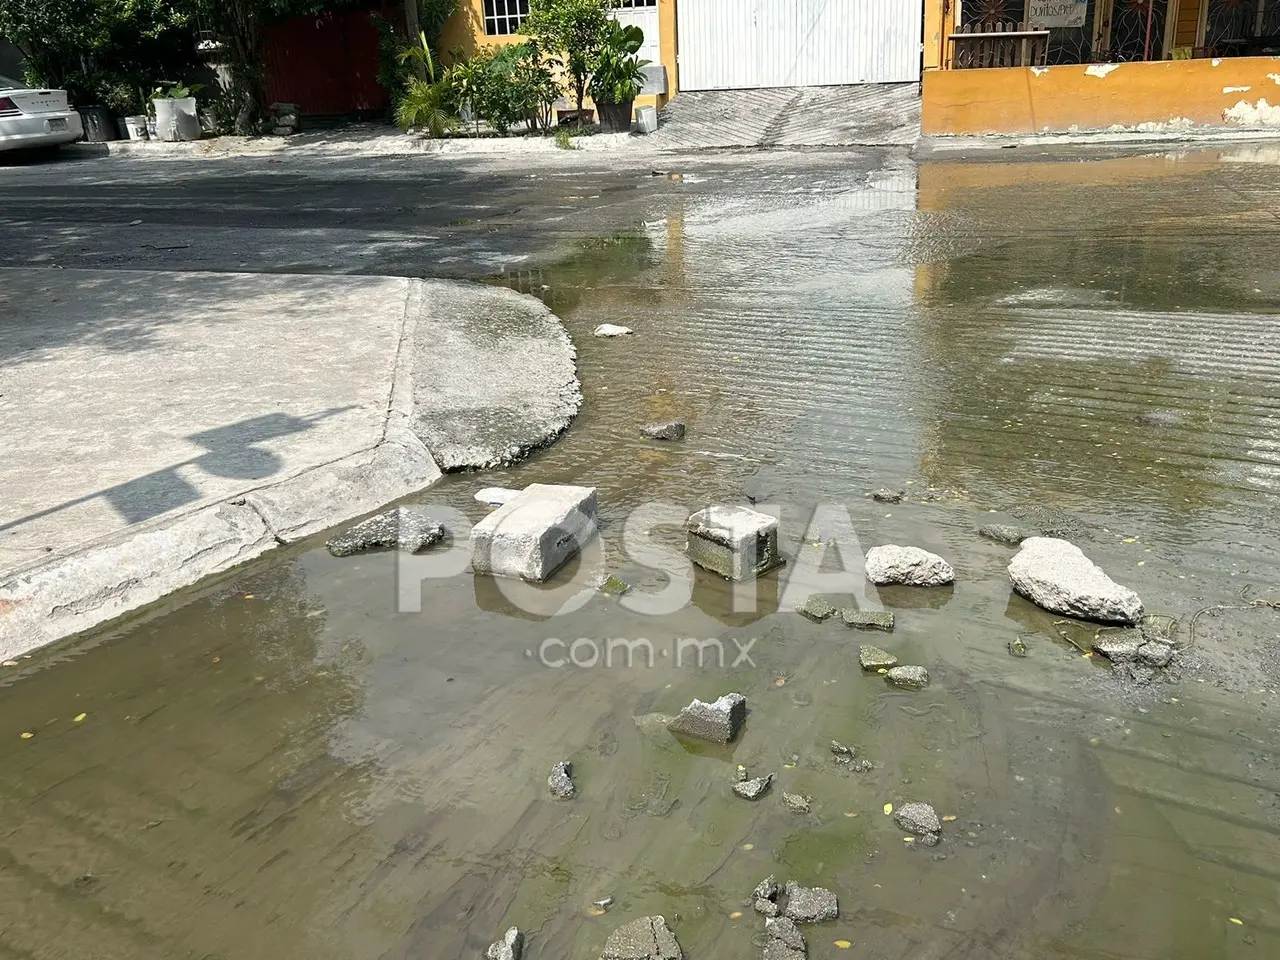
(465,29)
(940,17)
(1095,97)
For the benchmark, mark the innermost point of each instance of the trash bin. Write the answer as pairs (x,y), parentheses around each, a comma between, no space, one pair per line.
(99,127)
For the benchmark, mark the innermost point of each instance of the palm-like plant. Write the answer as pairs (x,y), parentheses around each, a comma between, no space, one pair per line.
(425,103)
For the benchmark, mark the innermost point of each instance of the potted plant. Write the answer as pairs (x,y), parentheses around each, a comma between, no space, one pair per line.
(618,76)
(175,108)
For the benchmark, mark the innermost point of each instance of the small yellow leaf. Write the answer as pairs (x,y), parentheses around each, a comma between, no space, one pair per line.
(1142,563)
(788,766)
(843,944)
(80,718)
(781,681)
(882,671)
(594,911)
(248,596)
(742,766)
(748,846)
(27,734)
(949,818)
(1237,921)
(11,663)
(217,660)
(1130,539)
(735,915)
(908,839)
(851,813)
(888,809)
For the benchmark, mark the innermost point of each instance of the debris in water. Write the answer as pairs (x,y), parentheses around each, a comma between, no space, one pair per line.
(79,718)
(510,947)
(885,495)
(840,750)
(612,330)
(613,586)
(909,678)
(888,809)
(717,722)
(873,658)
(1017,648)
(26,735)
(911,566)
(811,904)
(796,803)
(648,938)
(754,788)
(671,430)
(561,780)
(816,609)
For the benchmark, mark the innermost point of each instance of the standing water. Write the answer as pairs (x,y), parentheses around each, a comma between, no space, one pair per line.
(279,763)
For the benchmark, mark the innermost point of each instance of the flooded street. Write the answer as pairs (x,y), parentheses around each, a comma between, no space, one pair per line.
(281,763)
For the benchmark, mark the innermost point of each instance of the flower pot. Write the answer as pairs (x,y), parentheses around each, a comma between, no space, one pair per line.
(136,127)
(615,117)
(98,125)
(176,119)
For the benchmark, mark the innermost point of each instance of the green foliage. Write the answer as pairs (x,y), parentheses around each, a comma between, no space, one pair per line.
(393,73)
(574,29)
(426,101)
(101,51)
(564,139)
(175,91)
(618,75)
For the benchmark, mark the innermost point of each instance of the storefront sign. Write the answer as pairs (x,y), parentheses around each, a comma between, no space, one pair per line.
(1056,13)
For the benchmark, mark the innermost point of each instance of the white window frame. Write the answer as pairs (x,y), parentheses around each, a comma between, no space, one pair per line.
(506,13)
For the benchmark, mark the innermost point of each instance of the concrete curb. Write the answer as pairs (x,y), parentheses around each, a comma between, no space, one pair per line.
(105,579)
(940,146)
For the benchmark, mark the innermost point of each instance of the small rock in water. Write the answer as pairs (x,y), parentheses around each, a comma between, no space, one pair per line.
(868,619)
(754,788)
(1140,673)
(917,818)
(885,495)
(840,750)
(862,766)
(495,496)
(811,904)
(816,609)
(795,802)
(767,908)
(612,330)
(909,678)
(873,658)
(1017,648)
(648,938)
(766,889)
(508,948)
(785,930)
(1119,647)
(717,722)
(561,780)
(911,566)
(1003,533)
(613,586)
(674,430)
(1056,575)
(1156,653)
(402,527)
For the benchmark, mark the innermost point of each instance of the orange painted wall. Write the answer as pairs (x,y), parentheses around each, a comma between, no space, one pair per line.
(465,29)
(1055,99)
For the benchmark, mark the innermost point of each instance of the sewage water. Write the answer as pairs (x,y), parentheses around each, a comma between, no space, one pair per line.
(280,763)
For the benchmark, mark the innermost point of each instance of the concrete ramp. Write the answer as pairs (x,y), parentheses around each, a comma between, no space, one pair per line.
(866,115)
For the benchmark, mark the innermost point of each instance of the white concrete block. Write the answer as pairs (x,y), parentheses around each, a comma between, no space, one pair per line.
(735,542)
(534,533)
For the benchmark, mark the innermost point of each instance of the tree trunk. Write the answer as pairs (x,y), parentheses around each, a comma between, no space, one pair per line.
(413,25)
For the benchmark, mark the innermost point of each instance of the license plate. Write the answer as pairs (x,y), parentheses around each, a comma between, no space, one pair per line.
(56,125)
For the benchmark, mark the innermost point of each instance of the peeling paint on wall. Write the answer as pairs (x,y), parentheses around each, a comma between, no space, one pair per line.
(1216,61)
(1236,89)
(1041,71)
(1259,114)
(1274,78)
(1102,69)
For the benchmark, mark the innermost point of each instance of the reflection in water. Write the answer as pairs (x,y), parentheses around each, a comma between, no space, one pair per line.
(1086,347)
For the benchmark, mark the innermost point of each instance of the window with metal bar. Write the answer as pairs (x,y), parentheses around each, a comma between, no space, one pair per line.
(503,17)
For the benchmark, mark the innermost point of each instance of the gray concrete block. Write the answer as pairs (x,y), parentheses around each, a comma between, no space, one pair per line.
(532,535)
(735,542)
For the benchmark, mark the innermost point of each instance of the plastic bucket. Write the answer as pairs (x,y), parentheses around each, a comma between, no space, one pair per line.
(176,119)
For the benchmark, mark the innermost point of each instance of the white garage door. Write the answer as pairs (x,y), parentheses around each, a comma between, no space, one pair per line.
(739,44)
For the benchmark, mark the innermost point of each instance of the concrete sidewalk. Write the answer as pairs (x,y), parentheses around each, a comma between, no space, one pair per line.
(159,427)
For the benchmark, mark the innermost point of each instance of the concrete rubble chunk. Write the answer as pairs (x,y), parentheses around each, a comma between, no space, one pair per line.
(1156,653)
(1140,673)
(917,818)
(672,430)
(648,938)
(717,722)
(811,904)
(1119,647)
(907,677)
(410,530)
(768,908)
(510,947)
(1003,533)
(1057,576)
(910,566)
(533,534)
(885,495)
(736,542)
(777,950)
(754,788)
(842,750)
(785,929)
(868,619)
(561,780)
(873,658)
(495,496)
(816,609)
(796,803)
(613,330)
(767,889)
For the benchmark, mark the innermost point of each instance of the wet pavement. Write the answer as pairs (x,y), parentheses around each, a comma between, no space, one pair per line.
(280,762)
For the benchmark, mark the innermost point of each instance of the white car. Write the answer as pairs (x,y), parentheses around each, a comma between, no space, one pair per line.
(35,118)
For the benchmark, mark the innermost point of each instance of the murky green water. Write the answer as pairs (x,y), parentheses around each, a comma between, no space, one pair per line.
(281,764)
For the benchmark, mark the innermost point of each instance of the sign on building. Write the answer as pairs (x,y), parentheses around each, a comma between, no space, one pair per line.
(1056,13)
